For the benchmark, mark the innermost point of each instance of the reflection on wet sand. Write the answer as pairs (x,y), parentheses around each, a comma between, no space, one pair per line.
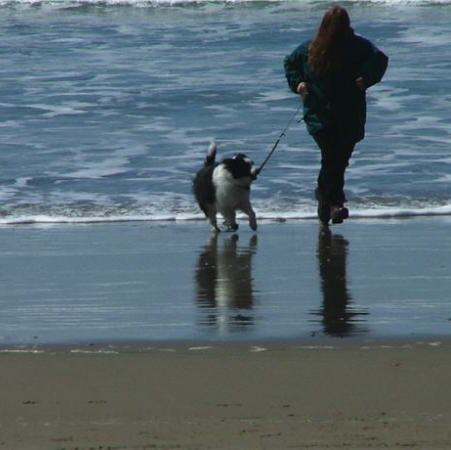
(224,282)
(338,317)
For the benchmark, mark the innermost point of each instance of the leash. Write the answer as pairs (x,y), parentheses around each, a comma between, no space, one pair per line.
(263,164)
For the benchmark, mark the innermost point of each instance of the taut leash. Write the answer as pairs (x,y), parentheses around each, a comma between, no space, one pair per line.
(278,140)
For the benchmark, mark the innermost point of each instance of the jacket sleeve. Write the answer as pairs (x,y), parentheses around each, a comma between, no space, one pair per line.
(294,67)
(374,64)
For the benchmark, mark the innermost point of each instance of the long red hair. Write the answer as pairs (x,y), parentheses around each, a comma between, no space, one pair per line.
(326,49)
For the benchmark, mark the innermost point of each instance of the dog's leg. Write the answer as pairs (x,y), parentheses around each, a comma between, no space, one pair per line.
(211,215)
(230,220)
(246,207)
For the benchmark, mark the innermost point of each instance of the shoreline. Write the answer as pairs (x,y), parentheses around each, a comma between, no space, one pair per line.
(377,216)
(144,347)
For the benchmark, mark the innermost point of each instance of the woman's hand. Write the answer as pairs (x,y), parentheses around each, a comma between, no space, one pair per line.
(302,89)
(360,83)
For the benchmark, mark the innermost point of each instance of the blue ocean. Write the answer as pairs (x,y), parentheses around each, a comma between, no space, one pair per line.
(107,107)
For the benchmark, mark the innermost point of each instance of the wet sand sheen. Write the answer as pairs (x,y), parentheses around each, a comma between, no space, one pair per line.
(140,282)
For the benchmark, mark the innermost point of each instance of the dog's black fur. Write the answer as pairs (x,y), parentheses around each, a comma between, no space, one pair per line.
(225,188)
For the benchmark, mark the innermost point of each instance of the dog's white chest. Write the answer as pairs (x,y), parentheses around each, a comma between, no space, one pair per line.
(230,192)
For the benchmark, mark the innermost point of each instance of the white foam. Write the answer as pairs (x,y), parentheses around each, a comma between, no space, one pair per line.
(153,3)
(200,348)
(22,181)
(258,349)
(9,124)
(304,212)
(112,166)
(404,2)
(57,110)
(25,350)
(402,211)
(423,36)
(6,193)
(100,351)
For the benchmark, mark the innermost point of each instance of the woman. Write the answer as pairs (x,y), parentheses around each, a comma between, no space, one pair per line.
(332,73)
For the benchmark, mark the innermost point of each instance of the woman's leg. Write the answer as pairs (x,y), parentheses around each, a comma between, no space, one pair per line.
(335,155)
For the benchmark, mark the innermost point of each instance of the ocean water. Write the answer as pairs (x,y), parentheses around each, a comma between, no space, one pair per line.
(107,107)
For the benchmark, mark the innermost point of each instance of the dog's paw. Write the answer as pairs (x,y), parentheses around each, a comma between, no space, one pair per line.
(253,225)
(232,228)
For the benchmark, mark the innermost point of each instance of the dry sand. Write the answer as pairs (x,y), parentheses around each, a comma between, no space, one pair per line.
(229,397)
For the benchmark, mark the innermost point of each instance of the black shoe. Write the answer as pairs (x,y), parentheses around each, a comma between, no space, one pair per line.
(338,213)
(323,207)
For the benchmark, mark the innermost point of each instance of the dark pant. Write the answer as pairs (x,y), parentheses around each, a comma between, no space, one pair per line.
(335,154)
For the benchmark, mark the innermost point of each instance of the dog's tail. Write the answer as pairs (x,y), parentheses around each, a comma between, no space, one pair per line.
(211,155)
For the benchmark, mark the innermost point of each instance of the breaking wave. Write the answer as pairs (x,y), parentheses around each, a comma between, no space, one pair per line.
(168,3)
(188,214)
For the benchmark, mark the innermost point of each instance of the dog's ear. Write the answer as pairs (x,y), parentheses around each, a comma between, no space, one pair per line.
(245,158)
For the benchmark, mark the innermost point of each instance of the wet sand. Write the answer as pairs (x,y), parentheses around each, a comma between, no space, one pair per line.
(138,336)
(229,397)
(140,282)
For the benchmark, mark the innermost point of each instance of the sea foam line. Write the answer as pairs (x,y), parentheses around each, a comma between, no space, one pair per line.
(168,3)
(282,216)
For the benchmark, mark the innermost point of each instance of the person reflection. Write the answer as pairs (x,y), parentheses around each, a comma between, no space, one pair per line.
(224,282)
(338,318)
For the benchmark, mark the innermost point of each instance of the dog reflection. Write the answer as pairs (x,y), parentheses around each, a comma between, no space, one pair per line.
(224,282)
(338,317)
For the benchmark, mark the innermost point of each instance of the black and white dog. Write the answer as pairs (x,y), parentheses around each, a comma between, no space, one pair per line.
(225,188)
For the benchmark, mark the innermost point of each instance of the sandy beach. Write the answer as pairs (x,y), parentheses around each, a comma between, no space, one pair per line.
(229,397)
(138,336)
(124,324)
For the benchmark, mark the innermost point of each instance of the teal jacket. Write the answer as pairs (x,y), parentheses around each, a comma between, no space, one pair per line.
(336,102)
